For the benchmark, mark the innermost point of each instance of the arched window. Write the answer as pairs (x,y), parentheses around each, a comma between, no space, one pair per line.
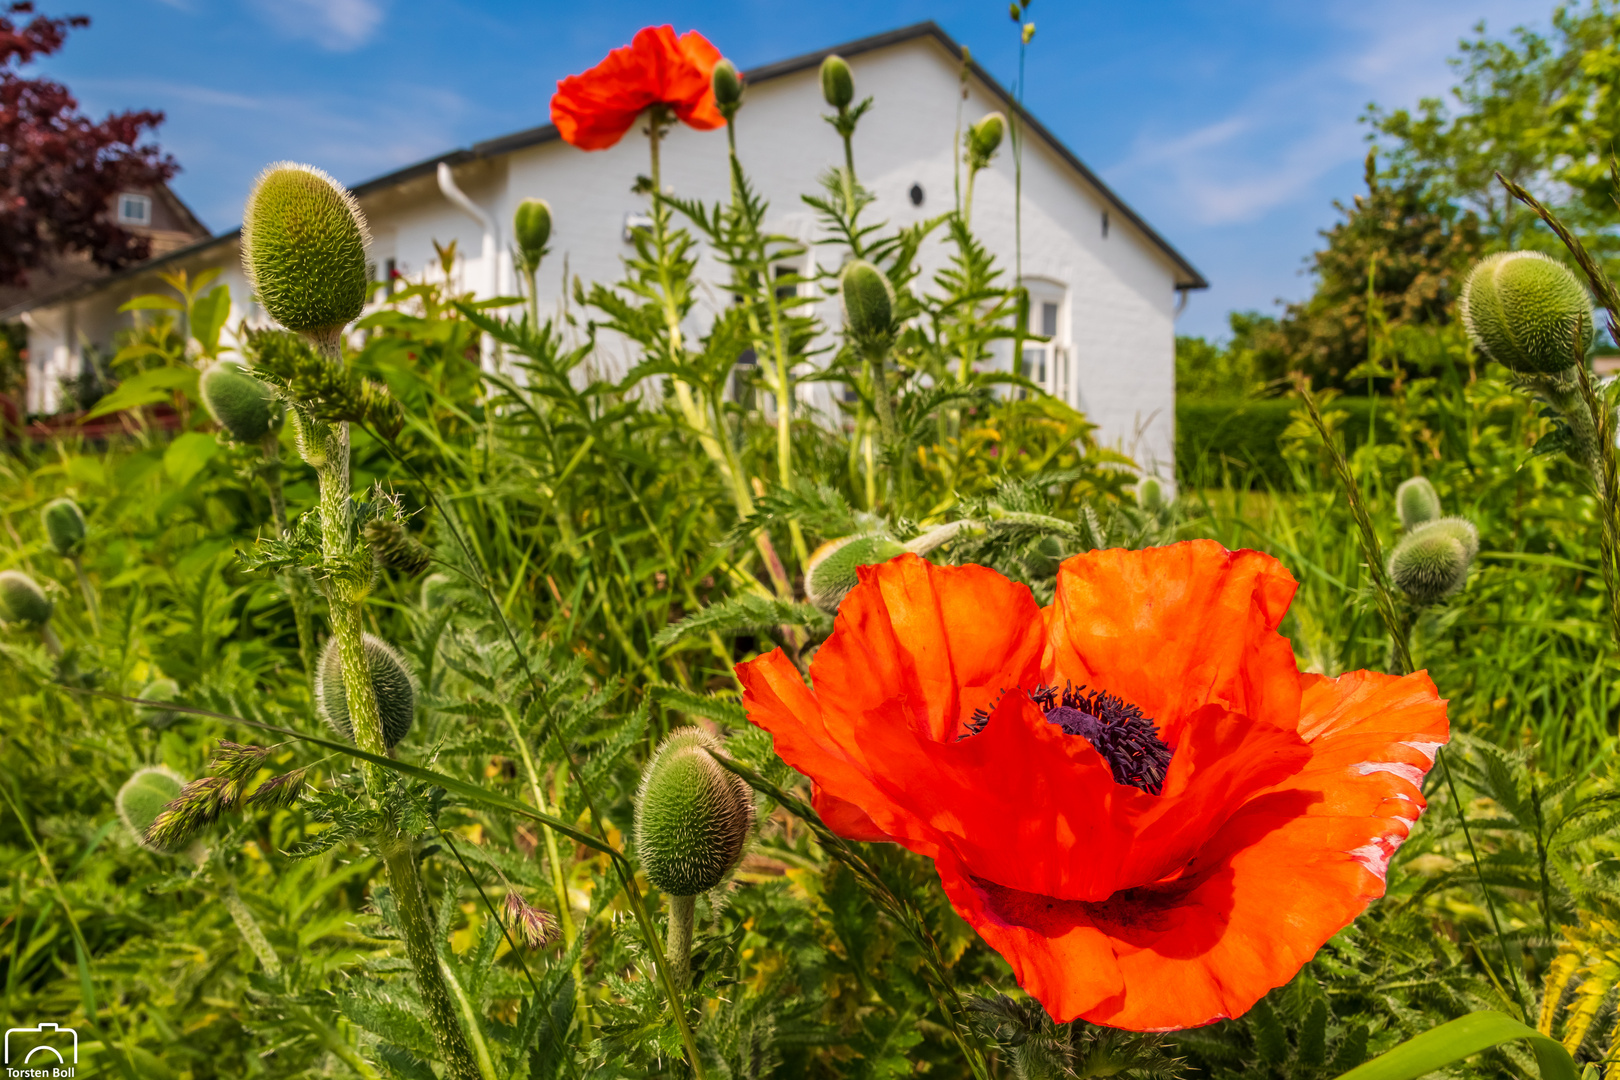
(1049,362)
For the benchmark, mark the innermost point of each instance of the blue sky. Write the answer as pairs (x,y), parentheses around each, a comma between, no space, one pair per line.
(1231,125)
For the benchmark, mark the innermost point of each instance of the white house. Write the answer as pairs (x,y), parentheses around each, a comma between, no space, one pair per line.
(1103,283)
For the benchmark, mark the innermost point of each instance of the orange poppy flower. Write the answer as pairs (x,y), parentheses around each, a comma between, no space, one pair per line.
(594,110)
(1133,795)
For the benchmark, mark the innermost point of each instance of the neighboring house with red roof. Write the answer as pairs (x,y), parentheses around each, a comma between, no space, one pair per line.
(1104,285)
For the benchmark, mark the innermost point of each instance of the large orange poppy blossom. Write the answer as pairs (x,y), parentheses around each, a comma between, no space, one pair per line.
(594,109)
(1133,795)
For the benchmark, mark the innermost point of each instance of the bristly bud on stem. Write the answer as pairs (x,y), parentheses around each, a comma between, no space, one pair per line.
(22,601)
(158,690)
(1432,562)
(984,138)
(1527,312)
(395,548)
(868,300)
(692,815)
(390,681)
(143,797)
(1416,502)
(1150,494)
(532,926)
(244,406)
(837,82)
(304,250)
(728,89)
(531,228)
(831,571)
(64,526)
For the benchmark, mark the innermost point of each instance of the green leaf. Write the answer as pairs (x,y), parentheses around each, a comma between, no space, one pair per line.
(187,455)
(208,315)
(147,388)
(1461,1038)
(152,302)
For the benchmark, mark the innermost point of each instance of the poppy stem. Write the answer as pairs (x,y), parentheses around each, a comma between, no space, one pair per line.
(678,946)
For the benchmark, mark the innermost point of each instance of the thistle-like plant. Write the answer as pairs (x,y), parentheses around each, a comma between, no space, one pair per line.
(1416,502)
(65,528)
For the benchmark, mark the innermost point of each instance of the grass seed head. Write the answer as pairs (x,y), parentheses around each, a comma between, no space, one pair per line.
(692,815)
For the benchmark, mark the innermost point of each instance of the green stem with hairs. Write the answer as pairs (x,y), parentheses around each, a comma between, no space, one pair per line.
(296,584)
(678,945)
(338,548)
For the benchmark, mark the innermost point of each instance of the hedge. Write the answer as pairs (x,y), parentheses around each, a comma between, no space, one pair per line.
(1236,441)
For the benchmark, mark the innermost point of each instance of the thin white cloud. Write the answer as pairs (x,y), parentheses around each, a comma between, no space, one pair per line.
(334,25)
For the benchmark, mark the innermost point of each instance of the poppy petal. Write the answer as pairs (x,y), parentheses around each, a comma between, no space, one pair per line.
(594,109)
(1290,869)
(1175,628)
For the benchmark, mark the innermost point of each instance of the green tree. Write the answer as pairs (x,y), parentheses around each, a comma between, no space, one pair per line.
(1248,365)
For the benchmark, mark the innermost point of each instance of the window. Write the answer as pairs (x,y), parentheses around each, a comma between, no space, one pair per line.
(786,290)
(134,209)
(1047,363)
(1105,224)
(742,379)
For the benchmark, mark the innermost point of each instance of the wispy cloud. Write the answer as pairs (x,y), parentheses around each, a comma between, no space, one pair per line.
(335,25)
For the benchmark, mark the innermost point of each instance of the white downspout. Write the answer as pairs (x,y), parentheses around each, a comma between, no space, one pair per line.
(491,251)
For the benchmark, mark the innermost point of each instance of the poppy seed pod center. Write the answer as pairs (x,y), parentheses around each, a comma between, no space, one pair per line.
(1127,740)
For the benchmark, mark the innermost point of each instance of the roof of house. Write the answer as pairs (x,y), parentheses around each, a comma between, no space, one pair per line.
(1187,277)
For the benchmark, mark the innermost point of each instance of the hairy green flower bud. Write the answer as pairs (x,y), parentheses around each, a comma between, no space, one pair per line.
(143,797)
(1527,312)
(395,548)
(831,571)
(304,250)
(837,83)
(692,815)
(309,436)
(531,227)
(390,681)
(64,526)
(868,300)
(1429,565)
(984,138)
(1416,502)
(23,601)
(158,690)
(1150,494)
(1460,529)
(242,404)
(728,88)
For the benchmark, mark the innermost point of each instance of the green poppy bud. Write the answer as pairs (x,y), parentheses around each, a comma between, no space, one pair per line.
(159,690)
(143,797)
(242,404)
(1460,529)
(304,250)
(390,681)
(1150,494)
(692,815)
(64,526)
(1527,312)
(1429,565)
(728,88)
(309,436)
(831,571)
(1416,502)
(23,601)
(531,226)
(837,83)
(984,138)
(868,300)
(395,548)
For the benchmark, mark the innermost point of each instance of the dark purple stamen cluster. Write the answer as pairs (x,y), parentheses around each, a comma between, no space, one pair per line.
(1126,739)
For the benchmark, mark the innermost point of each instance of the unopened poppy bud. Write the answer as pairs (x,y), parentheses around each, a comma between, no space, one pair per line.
(395,548)
(309,437)
(1416,502)
(728,88)
(692,815)
(64,526)
(162,691)
(984,138)
(304,250)
(531,227)
(143,797)
(1429,565)
(1527,312)
(23,601)
(243,405)
(831,571)
(1150,494)
(837,83)
(868,300)
(390,682)
(1460,529)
